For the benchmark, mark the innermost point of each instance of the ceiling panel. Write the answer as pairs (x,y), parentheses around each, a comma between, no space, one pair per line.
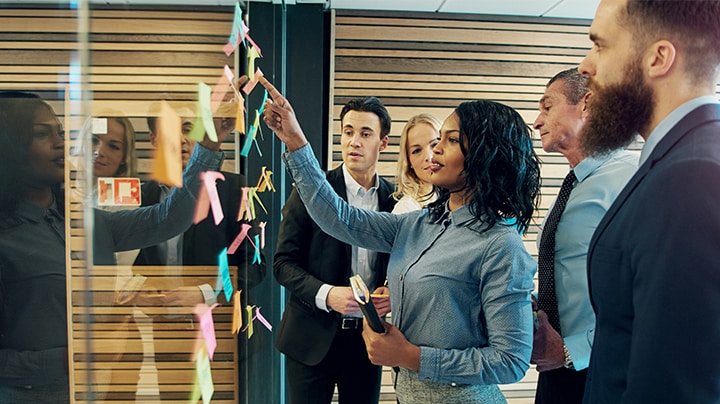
(400,5)
(507,7)
(574,9)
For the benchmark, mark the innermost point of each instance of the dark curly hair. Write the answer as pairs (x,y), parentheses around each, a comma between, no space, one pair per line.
(17,114)
(502,170)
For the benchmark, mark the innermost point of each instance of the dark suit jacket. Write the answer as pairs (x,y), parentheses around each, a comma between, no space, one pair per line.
(654,273)
(305,259)
(203,242)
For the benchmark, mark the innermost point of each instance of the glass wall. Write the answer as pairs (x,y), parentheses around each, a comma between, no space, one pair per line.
(144,310)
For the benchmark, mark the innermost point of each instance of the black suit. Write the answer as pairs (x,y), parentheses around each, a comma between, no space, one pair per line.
(654,275)
(305,259)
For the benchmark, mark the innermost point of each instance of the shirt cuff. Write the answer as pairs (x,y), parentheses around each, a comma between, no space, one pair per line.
(208,294)
(321,297)
(579,350)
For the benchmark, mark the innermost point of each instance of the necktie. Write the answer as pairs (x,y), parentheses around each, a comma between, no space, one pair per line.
(547,301)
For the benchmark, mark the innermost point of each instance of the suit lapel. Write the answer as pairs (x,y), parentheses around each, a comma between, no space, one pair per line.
(697,117)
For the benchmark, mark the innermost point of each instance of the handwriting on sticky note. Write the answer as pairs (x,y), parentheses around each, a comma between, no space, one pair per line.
(225,273)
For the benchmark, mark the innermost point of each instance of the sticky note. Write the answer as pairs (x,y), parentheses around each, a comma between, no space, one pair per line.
(207,327)
(224,273)
(204,98)
(204,375)
(237,313)
(167,164)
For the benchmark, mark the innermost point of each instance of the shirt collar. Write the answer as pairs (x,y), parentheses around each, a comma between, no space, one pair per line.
(586,167)
(32,212)
(352,186)
(669,122)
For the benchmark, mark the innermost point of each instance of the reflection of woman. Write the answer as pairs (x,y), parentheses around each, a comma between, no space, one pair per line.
(460,278)
(33,334)
(414,190)
(114,151)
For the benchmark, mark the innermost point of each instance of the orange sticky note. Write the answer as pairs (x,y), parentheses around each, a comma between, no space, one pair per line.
(167,164)
(237,313)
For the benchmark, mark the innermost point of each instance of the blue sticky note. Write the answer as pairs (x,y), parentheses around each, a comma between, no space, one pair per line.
(225,274)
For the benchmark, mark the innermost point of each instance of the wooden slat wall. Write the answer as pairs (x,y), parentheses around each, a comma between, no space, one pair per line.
(137,57)
(423,62)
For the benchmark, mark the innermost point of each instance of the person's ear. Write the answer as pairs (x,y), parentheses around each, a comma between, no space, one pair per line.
(585,112)
(384,142)
(153,138)
(660,58)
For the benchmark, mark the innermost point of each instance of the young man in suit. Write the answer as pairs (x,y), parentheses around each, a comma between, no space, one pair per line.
(562,345)
(321,329)
(653,260)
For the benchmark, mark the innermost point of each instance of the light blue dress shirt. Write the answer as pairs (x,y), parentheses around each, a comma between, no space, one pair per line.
(599,181)
(459,291)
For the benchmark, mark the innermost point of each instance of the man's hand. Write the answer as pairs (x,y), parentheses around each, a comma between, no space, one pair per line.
(280,117)
(391,348)
(342,300)
(381,300)
(547,351)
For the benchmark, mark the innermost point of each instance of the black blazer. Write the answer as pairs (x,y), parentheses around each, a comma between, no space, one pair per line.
(305,259)
(203,242)
(654,275)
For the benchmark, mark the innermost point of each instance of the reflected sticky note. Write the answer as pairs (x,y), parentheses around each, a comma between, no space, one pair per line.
(250,85)
(262,319)
(204,375)
(244,228)
(206,112)
(197,132)
(237,313)
(265,181)
(262,234)
(256,258)
(249,310)
(224,273)
(167,163)
(207,326)
(210,179)
(252,54)
(240,117)
(254,45)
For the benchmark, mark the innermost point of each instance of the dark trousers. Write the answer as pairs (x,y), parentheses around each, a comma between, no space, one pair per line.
(345,365)
(561,386)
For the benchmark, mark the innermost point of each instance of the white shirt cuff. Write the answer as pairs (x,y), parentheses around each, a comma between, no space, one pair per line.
(321,297)
(208,294)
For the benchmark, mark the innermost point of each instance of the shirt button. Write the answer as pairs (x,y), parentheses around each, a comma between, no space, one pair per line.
(453,384)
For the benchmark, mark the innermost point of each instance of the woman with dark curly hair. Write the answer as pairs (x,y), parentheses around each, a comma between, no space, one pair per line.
(33,299)
(460,277)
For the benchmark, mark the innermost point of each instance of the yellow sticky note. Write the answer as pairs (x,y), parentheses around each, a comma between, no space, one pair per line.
(204,376)
(167,164)
(237,313)
(249,310)
(204,98)
(240,117)
(252,55)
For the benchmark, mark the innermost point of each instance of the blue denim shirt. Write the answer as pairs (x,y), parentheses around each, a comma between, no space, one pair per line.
(458,290)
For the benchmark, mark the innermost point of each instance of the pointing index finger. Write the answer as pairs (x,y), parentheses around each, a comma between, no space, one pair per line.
(272,91)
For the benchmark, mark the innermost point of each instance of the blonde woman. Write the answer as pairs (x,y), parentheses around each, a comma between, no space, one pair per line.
(114,151)
(413,189)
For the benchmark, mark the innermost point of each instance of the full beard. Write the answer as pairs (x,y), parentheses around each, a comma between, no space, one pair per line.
(618,112)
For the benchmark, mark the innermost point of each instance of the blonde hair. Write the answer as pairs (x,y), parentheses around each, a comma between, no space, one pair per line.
(129,166)
(407,183)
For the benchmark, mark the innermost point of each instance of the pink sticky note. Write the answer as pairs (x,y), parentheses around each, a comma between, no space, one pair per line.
(207,327)
(257,48)
(209,179)
(262,319)
(244,228)
(250,85)
(219,91)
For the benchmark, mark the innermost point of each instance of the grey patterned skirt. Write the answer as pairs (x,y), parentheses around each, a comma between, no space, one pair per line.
(410,390)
